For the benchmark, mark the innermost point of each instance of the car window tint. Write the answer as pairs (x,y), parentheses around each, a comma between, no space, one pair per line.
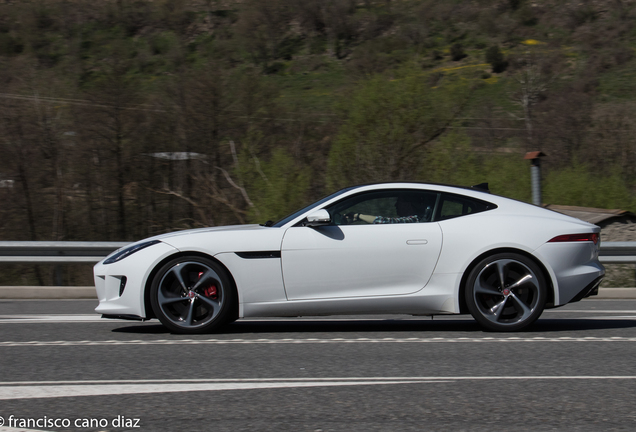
(377,206)
(297,213)
(452,206)
(383,204)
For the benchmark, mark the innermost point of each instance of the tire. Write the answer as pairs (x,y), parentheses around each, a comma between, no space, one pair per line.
(192,294)
(506,292)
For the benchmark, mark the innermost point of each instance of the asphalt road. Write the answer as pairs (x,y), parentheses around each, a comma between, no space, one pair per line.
(575,369)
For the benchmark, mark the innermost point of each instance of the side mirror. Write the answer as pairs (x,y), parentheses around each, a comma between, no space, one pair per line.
(318,218)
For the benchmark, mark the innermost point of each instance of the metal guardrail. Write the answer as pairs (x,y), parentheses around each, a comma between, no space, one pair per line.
(618,253)
(92,252)
(56,252)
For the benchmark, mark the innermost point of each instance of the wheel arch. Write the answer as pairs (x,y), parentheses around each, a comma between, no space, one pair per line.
(150,313)
(463,308)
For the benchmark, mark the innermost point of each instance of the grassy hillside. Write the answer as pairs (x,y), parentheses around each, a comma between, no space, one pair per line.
(273,104)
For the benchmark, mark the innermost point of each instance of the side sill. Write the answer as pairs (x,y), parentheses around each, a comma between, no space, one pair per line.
(125,317)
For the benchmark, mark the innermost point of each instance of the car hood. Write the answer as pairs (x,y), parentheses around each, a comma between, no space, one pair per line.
(233,238)
(251,227)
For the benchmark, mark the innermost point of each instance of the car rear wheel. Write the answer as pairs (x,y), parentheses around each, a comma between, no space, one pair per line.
(506,292)
(192,295)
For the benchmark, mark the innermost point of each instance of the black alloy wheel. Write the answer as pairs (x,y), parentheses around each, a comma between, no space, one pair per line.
(506,292)
(192,295)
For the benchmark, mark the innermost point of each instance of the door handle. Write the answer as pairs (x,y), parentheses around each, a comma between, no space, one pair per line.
(417,242)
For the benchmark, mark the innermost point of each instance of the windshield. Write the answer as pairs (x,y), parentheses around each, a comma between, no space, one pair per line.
(294,215)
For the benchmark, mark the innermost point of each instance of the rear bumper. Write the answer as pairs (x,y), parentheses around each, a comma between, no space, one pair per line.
(588,291)
(575,269)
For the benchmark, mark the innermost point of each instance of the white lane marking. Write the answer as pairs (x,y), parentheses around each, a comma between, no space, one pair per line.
(70,318)
(317,379)
(48,389)
(8,429)
(29,319)
(587,311)
(56,391)
(22,319)
(52,316)
(290,341)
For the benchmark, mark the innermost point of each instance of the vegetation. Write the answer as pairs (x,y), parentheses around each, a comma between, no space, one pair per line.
(123,119)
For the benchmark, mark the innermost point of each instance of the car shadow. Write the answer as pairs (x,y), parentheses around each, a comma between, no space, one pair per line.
(578,324)
(285,326)
(332,231)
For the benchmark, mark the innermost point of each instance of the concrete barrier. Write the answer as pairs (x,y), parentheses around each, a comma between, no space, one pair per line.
(47,292)
(616,293)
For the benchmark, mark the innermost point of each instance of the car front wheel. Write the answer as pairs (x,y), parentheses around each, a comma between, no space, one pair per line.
(506,292)
(192,295)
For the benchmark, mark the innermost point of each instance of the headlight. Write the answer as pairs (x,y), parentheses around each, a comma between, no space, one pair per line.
(127,251)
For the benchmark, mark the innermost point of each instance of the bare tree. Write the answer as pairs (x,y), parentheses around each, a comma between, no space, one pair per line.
(111,123)
(532,82)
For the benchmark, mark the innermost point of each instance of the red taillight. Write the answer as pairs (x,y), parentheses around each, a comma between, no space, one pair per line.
(593,237)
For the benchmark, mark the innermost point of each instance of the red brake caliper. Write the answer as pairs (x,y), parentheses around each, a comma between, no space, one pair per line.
(209,291)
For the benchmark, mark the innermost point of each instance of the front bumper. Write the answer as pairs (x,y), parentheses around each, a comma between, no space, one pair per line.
(131,272)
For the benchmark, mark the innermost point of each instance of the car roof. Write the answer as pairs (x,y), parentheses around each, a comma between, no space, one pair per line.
(478,192)
(482,187)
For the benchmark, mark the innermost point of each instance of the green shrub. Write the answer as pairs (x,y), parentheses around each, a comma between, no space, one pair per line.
(496,59)
(453,161)
(389,125)
(457,52)
(579,186)
(278,189)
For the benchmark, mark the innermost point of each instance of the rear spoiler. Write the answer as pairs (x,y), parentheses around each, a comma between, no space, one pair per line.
(481,187)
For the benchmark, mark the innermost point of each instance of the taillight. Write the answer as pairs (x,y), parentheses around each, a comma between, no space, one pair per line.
(592,237)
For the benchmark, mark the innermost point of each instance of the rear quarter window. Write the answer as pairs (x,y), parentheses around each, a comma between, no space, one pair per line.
(452,206)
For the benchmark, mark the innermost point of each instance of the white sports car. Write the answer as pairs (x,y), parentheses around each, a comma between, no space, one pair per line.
(392,248)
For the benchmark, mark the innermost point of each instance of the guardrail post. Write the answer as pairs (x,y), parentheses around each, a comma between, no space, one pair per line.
(535,170)
(58,275)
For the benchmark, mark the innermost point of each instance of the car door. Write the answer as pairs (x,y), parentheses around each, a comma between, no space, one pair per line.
(355,258)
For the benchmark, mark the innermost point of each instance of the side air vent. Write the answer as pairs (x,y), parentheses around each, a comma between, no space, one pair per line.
(259,254)
(122,285)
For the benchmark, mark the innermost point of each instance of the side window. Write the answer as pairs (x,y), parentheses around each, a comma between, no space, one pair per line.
(452,206)
(386,206)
